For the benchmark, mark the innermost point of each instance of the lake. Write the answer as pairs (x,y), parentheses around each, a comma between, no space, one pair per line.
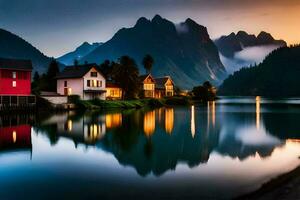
(221,150)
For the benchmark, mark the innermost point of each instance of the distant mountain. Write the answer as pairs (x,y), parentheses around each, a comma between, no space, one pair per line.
(230,44)
(78,53)
(12,46)
(277,75)
(243,49)
(184,51)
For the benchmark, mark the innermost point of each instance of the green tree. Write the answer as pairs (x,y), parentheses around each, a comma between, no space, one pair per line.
(148,62)
(126,74)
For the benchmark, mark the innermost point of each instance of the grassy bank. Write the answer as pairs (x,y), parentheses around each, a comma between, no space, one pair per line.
(132,104)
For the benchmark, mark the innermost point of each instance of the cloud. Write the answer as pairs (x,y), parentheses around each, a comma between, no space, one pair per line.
(248,56)
(182,28)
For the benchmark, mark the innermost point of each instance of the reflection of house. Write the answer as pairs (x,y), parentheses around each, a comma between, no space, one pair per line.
(113,120)
(148,85)
(87,129)
(14,138)
(113,91)
(83,80)
(164,87)
(149,123)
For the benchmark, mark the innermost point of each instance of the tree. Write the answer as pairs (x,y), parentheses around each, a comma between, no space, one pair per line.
(148,62)
(36,77)
(126,74)
(205,92)
(53,70)
(76,62)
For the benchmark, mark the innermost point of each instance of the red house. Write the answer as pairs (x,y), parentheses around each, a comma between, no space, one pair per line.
(15,77)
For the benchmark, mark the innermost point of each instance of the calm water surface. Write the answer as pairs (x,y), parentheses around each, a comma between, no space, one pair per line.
(218,151)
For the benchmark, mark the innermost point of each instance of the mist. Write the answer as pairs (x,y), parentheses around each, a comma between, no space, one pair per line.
(248,56)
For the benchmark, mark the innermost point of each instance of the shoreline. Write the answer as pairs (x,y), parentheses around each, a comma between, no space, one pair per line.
(285,186)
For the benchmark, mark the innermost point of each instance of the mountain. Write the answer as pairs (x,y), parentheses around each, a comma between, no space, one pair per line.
(243,49)
(184,51)
(12,46)
(277,75)
(78,53)
(230,44)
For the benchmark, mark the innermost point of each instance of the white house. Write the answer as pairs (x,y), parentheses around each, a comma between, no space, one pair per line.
(84,80)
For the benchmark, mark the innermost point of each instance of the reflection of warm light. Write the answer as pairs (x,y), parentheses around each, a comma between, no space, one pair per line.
(69,125)
(113,120)
(257,112)
(193,121)
(211,110)
(169,120)
(159,114)
(149,123)
(213,113)
(14,136)
(293,140)
(94,133)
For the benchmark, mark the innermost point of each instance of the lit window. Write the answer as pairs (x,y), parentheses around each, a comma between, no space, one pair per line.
(14,84)
(14,75)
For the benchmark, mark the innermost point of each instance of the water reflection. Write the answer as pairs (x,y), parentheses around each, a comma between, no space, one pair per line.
(149,123)
(207,146)
(15,133)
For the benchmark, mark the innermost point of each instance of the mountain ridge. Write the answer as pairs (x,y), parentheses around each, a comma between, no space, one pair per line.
(81,51)
(190,57)
(14,47)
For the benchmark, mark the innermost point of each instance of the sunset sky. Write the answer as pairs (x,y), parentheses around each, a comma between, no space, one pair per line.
(58,26)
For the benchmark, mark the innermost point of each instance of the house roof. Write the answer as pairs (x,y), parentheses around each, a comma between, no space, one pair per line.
(111,84)
(160,82)
(15,64)
(143,77)
(77,71)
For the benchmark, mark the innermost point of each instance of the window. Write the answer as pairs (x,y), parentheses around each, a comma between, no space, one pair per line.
(94,83)
(14,75)
(66,83)
(99,83)
(148,86)
(14,84)
(94,74)
(89,83)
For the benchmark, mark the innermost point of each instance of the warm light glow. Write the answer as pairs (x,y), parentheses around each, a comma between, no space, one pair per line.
(69,125)
(113,120)
(148,86)
(211,112)
(149,123)
(193,126)
(169,120)
(69,91)
(14,136)
(94,133)
(257,112)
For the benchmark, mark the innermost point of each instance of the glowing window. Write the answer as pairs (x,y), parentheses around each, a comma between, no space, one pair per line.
(14,84)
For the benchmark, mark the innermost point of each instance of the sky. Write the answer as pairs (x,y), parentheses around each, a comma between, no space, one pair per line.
(58,26)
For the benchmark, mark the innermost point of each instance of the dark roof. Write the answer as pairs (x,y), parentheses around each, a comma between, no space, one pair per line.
(160,82)
(143,77)
(15,64)
(112,84)
(77,71)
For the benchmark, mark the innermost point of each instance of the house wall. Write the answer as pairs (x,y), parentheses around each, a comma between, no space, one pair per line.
(148,87)
(100,78)
(76,85)
(113,93)
(22,80)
